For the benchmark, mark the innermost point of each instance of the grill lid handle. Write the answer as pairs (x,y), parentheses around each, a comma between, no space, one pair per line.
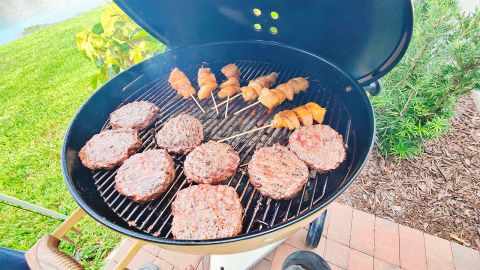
(366,38)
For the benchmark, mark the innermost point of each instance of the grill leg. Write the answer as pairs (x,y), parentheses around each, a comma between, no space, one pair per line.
(206,262)
(315,231)
(137,245)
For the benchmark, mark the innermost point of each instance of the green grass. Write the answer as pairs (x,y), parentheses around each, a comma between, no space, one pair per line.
(44,79)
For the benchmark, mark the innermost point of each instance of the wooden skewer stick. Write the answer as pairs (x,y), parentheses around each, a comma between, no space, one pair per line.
(249,106)
(200,106)
(226,108)
(214,102)
(224,102)
(246,132)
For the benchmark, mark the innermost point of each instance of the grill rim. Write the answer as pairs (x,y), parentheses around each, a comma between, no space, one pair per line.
(176,242)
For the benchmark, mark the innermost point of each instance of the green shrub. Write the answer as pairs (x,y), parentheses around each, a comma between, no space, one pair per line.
(114,44)
(419,95)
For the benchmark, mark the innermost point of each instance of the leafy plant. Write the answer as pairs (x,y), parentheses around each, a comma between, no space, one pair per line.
(419,96)
(114,44)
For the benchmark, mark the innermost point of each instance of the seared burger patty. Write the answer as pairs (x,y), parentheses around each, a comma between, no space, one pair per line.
(277,172)
(109,148)
(144,176)
(319,146)
(206,212)
(211,163)
(181,134)
(136,115)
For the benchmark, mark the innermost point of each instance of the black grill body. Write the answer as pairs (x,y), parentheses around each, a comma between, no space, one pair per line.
(348,111)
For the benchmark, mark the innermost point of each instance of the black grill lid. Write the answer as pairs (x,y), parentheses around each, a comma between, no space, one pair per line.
(367,38)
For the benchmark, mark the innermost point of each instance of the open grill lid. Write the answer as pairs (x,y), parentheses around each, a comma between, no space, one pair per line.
(366,38)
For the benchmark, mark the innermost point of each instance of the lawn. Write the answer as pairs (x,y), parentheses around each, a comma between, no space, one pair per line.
(44,79)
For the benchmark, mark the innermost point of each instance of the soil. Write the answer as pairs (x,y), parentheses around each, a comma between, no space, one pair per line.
(438,193)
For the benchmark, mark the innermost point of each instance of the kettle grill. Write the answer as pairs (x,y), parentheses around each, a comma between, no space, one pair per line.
(343,47)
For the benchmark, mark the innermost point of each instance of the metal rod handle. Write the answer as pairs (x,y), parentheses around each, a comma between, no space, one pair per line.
(32,207)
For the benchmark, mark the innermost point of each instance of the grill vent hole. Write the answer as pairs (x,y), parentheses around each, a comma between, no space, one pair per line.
(257,27)
(257,12)
(274,15)
(273,30)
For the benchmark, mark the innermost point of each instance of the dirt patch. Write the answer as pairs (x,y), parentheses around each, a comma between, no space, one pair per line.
(438,193)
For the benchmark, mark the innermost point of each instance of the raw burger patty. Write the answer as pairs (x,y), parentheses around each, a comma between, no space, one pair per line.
(211,163)
(277,172)
(109,148)
(319,146)
(136,115)
(180,134)
(206,212)
(144,176)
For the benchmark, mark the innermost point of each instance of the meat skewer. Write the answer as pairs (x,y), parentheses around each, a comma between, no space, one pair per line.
(232,85)
(229,87)
(255,86)
(292,119)
(271,98)
(207,83)
(180,83)
(214,103)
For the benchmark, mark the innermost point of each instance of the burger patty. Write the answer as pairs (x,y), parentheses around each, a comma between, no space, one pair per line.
(211,163)
(181,134)
(277,172)
(206,212)
(136,115)
(109,148)
(144,176)
(319,146)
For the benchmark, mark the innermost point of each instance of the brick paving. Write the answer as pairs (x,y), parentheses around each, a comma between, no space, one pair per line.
(351,240)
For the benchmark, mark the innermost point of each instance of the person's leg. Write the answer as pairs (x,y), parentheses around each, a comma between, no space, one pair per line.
(12,259)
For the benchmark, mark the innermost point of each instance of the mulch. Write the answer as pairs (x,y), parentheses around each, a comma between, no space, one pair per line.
(438,193)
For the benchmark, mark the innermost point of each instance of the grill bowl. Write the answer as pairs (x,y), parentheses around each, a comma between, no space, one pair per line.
(265,221)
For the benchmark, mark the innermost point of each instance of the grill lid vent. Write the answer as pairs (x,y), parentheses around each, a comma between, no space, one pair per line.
(366,38)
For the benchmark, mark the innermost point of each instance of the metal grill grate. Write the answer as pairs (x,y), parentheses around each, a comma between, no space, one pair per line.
(260,212)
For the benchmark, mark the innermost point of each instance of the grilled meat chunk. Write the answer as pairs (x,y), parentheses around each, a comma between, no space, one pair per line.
(207,83)
(255,86)
(136,115)
(319,146)
(181,134)
(211,163)
(232,84)
(204,211)
(144,176)
(277,172)
(109,148)
(180,83)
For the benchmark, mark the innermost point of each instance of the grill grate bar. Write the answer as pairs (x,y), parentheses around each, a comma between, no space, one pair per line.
(257,206)
(138,217)
(155,217)
(150,137)
(264,72)
(132,82)
(212,135)
(255,191)
(136,205)
(290,203)
(338,114)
